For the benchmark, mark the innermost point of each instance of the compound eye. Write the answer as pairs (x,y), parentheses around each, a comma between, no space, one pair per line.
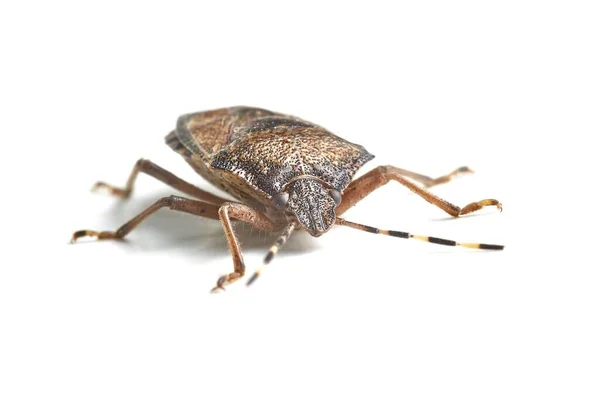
(281,200)
(336,196)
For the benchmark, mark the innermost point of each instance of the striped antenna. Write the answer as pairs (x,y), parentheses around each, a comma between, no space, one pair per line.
(285,235)
(406,235)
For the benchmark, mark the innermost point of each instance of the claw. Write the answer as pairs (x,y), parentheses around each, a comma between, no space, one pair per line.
(98,235)
(79,234)
(225,280)
(123,193)
(219,286)
(217,289)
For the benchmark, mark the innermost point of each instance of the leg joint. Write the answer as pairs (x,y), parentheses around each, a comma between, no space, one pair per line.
(385,169)
(224,209)
(141,163)
(171,202)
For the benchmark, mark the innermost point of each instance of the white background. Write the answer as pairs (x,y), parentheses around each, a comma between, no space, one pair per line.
(509,88)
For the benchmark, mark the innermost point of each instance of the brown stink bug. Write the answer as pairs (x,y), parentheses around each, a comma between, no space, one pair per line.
(287,174)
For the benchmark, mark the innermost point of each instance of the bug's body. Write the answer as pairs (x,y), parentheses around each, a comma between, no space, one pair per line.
(287,174)
(253,153)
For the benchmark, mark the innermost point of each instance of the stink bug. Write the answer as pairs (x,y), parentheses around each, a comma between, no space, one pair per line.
(287,174)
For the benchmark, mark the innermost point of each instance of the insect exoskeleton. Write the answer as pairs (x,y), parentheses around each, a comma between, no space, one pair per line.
(285,174)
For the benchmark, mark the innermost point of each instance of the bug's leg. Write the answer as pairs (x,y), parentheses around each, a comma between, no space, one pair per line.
(225,213)
(173,202)
(363,186)
(428,182)
(406,235)
(149,168)
(239,212)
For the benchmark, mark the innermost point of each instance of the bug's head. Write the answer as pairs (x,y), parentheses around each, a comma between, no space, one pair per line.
(311,202)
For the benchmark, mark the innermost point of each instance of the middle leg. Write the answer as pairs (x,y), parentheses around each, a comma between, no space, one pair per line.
(363,186)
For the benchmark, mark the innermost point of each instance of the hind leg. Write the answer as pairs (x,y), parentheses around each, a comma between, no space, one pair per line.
(428,182)
(366,184)
(149,168)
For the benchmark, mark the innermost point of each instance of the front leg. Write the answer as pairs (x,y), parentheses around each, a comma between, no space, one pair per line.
(225,213)
(363,186)
(240,212)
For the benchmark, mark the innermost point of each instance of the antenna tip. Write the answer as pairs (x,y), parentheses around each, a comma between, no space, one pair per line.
(252,278)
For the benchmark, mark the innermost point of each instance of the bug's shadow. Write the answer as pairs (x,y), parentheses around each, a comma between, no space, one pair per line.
(190,235)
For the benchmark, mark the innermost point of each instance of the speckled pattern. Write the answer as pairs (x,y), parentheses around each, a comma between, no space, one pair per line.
(206,133)
(263,151)
(268,149)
